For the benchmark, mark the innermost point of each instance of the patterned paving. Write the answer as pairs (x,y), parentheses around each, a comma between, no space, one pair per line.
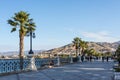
(96,70)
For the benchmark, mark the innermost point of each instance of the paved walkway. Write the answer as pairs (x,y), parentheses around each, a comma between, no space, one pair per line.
(96,70)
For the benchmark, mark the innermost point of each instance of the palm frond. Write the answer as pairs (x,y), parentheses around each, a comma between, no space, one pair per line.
(13,29)
(13,23)
(22,20)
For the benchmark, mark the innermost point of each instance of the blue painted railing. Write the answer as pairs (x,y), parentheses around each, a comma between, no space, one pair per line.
(11,65)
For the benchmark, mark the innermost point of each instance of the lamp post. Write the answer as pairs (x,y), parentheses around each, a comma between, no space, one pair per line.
(32,35)
(79,56)
(31,65)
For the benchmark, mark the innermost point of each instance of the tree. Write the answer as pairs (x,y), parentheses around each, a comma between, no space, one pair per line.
(83,46)
(80,43)
(117,53)
(108,54)
(76,42)
(22,21)
(91,52)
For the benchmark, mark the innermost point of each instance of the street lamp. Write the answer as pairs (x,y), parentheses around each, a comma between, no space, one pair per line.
(31,65)
(32,35)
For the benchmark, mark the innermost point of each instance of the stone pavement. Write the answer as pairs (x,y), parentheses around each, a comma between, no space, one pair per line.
(96,70)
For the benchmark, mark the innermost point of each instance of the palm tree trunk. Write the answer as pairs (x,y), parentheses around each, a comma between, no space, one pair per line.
(21,50)
(79,51)
(76,52)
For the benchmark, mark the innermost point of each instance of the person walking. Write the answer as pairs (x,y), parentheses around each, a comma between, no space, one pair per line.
(82,58)
(90,58)
(107,58)
(103,58)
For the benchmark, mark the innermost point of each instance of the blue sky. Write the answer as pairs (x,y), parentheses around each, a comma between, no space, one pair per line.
(59,21)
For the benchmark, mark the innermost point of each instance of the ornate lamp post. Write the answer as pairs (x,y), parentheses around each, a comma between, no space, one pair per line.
(79,56)
(31,65)
(32,35)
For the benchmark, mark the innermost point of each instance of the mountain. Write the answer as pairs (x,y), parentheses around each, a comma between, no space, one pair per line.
(103,46)
(118,42)
(69,48)
(98,46)
(17,52)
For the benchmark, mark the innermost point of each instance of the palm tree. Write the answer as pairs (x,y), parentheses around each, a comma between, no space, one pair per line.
(76,42)
(92,52)
(117,53)
(83,46)
(80,42)
(22,21)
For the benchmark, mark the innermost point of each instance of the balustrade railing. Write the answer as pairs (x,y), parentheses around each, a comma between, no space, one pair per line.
(12,65)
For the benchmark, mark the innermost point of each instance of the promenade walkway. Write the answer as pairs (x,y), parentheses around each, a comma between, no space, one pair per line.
(96,70)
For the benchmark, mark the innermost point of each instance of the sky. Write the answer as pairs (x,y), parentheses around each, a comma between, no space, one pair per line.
(59,21)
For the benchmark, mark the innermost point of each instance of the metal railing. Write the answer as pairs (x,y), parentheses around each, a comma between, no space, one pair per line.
(12,65)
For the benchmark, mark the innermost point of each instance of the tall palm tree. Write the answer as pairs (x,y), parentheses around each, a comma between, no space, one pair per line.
(83,46)
(22,21)
(117,54)
(76,42)
(80,47)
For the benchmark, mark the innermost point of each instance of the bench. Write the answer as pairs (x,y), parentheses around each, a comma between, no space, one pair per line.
(47,64)
(44,65)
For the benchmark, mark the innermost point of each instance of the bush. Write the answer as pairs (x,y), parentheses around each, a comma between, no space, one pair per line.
(117,69)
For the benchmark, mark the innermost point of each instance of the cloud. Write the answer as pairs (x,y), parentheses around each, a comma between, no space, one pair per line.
(102,36)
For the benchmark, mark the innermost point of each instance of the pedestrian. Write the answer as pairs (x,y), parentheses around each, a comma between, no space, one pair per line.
(107,58)
(90,58)
(102,58)
(82,58)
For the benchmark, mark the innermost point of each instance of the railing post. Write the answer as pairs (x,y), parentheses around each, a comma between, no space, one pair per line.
(58,60)
(32,65)
(71,59)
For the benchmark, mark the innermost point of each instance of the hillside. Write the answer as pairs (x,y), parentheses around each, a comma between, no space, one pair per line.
(98,46)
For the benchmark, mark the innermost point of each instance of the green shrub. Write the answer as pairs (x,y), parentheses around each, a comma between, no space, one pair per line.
(117,69)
